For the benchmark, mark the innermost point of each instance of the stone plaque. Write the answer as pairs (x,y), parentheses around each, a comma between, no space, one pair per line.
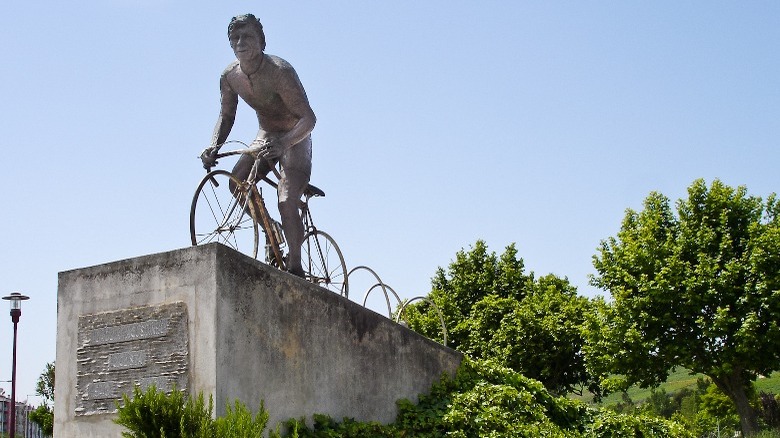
(118,350)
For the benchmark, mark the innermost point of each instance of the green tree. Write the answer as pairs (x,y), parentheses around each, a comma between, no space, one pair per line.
(494,310)
(698,289)
(716,410)
(43,415)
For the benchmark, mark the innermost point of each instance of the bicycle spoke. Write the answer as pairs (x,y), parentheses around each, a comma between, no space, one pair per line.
(217,215)
(222,218)
(215,201)
(324,262)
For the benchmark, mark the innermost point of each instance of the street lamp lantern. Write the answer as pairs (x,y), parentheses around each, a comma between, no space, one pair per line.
(16,311)
(16,305)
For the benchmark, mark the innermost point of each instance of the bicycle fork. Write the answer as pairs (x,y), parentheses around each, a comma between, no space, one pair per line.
(274,237)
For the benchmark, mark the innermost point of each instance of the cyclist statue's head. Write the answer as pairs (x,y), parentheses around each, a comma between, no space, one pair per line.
(247,21)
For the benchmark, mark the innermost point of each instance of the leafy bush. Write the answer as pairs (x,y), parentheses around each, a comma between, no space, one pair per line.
(488,400)
(43,415)
(325,426)
(716,411)
(770,409)
(484,399)
(609,424)
(238,422)
(155,414)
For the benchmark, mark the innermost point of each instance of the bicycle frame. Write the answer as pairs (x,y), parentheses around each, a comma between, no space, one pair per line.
(257,209)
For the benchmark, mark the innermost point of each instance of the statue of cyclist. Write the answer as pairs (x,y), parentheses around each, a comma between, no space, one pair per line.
(270,86)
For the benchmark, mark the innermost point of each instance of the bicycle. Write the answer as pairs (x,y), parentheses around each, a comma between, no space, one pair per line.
(232,217)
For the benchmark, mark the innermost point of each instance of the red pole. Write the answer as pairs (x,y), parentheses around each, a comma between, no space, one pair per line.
(15,314)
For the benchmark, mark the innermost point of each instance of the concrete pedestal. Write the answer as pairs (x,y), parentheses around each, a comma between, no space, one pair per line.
(208,319)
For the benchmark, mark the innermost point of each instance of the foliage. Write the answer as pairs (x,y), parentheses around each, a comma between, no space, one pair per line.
(614,425)
(45,385)
(156,414)
(660,404)
(325,426)
(486,399)
(469,279)
(770,409)
(699,289)
(493,310)
(43,415)
(703,409)
(626,405)
(716,410)
(770,383)
(238,422)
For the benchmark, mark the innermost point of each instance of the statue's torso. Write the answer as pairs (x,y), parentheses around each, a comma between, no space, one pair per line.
(263,91)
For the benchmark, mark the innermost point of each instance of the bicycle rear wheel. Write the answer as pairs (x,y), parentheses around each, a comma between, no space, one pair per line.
(324,263)
(217,215)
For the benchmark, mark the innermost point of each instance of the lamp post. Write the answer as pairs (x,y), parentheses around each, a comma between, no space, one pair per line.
(16,311)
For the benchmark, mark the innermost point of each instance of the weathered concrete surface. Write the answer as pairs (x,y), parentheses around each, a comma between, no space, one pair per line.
(253,333)
(187,276)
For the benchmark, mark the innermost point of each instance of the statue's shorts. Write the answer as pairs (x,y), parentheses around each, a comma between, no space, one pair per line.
(295,170)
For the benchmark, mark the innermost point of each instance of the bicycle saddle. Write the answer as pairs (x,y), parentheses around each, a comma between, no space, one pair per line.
(312,191)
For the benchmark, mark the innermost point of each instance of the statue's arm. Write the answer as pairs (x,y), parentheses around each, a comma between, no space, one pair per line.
(227,111)
(292,93)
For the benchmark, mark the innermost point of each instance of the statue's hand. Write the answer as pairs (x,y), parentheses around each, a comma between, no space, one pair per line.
(272,149)
(209,157)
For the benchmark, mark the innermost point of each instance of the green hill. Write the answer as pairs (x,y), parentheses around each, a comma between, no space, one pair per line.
(679,379)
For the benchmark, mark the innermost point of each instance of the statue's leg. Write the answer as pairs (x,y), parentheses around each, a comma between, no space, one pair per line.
(296,171)
(291,188)
(243,167)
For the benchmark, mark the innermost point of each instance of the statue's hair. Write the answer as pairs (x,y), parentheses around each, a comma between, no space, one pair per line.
(247,20)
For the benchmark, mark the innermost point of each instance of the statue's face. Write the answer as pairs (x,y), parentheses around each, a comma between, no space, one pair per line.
(246,43)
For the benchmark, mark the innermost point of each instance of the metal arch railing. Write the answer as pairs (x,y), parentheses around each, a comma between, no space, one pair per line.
(357,268)
(386,288)
(378,282)
(441,315)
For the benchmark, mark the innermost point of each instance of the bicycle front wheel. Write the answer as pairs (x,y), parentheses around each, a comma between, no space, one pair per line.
(324,263)
(217,215)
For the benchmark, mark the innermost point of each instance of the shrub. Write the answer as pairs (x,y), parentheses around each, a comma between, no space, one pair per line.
(155,414)
(488,400)
(43,415)
(325,426)
(609,424)
(484,399)
(238,422)
(770,409)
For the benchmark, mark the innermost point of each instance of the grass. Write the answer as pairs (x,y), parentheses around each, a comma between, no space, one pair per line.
(769,384)
(677,380)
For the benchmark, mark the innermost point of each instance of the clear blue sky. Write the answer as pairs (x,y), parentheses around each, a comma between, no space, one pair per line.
(439,123)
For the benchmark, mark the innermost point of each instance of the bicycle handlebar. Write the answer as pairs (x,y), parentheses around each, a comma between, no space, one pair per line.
(254,151)
(310,191)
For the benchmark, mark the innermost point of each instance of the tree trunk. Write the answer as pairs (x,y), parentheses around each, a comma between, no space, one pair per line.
(734,386)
